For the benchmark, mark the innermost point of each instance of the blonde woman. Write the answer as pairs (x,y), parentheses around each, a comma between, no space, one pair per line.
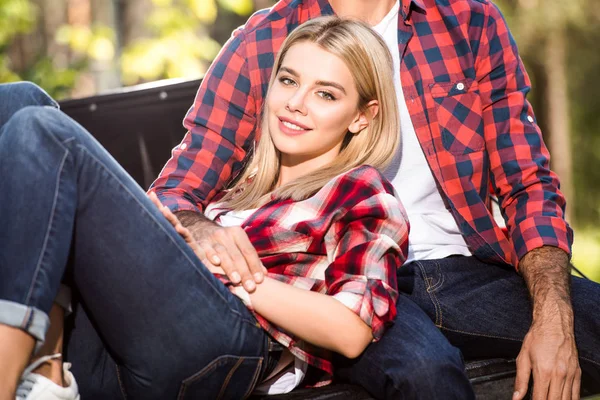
(327,227)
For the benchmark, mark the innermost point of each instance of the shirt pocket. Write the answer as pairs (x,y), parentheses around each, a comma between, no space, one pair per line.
(459,115)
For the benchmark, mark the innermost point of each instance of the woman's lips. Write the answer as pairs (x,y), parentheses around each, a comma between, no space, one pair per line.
(291,127)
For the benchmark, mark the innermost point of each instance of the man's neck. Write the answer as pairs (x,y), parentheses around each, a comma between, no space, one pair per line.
(369,11)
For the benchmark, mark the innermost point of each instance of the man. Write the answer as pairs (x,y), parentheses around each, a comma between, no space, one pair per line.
(466,123)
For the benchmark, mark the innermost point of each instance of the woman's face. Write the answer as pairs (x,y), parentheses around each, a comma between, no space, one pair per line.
(312,104)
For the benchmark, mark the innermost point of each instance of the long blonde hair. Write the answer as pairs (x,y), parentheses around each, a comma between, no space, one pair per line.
(371,66)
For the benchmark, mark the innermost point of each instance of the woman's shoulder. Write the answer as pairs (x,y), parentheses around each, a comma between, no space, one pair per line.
(355,186)
(369,180)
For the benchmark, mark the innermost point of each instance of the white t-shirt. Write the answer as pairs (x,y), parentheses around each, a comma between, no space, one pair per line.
(433,230)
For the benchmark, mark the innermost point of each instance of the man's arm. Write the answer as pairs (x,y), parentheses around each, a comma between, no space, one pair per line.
(549,347)
(221,126)
(533,208)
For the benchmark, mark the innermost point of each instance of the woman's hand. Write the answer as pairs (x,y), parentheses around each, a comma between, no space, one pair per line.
(186,235)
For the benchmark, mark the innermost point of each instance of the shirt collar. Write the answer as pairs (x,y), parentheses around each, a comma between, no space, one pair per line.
(405,7)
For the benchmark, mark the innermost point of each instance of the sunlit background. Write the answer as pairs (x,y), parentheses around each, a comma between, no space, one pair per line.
(77,48)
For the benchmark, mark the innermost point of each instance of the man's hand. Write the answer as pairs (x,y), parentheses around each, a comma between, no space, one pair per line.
(225,248)
(549,352)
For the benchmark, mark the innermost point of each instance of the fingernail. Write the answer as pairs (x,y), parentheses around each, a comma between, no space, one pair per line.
(516,395)
(216,260)
(258,276)
(235,277)
(249,285)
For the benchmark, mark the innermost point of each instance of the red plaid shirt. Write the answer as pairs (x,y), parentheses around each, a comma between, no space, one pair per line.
(346,241)
(465,87)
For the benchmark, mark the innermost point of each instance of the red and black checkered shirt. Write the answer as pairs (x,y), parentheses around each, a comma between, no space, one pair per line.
(465,87)
(346,241)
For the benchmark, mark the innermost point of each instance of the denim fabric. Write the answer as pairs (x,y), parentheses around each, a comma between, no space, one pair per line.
(481,309)
(66,207)
(485,310)
(413,360)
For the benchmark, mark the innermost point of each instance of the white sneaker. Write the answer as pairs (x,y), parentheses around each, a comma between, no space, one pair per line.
(37,387)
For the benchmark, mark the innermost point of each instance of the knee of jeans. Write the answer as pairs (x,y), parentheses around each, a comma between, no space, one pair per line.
(432,371)
(25,93)
(32,124)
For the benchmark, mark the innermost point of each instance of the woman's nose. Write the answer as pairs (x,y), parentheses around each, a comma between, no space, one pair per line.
(296,102)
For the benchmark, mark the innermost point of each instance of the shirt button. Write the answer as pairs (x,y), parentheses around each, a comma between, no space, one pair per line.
(460,86)
(183,146)
(530,118)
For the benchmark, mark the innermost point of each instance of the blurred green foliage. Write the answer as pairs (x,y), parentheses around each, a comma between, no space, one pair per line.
(179,45)
(22,17)
(16,17)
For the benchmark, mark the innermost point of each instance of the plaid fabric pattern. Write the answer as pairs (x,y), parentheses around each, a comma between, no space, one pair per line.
(346,241)
(465,87)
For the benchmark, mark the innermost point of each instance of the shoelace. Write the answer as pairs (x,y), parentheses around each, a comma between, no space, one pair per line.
(27,381)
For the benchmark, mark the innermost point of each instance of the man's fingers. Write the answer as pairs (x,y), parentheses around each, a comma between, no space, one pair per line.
(227,264)
(238,264)
(557,383)
(250,256)
(576,388)
(154,198)
(522,379)
(541,385)
(209,250)
(567,391)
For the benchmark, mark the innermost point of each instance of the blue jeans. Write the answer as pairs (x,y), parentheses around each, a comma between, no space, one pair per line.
(68,210)
(484,310)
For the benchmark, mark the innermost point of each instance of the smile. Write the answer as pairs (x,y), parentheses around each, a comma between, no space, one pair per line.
(291,128)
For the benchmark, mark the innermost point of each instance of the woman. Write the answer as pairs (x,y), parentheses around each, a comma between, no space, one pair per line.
(324,222)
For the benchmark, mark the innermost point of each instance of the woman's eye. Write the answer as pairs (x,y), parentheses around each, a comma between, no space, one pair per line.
(286,81)
(326,95)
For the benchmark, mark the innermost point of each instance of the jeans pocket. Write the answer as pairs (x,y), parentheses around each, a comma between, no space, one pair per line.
(225,378)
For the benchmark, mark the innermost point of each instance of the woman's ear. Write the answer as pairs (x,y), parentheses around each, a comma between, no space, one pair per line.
(364,118)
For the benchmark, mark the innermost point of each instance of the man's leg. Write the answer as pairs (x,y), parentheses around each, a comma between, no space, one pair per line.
(162,315)
(413,360)
(485,309)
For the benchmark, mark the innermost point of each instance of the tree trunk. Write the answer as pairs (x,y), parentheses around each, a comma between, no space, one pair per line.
(133,15)
(558,111)
(106,72)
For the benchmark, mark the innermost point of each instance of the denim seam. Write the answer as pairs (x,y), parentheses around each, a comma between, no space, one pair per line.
(590,360)
(209,368)
(432,296)
(255,378)
(27,319)
(120,380)
(482,334)
(440,281)
(50,224)
(148,214)
(228,377)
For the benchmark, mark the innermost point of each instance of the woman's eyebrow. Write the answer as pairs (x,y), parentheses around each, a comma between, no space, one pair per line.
(289,71)
(332,84)
(318,83)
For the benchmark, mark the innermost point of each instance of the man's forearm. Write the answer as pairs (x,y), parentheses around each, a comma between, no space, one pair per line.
(546,273)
